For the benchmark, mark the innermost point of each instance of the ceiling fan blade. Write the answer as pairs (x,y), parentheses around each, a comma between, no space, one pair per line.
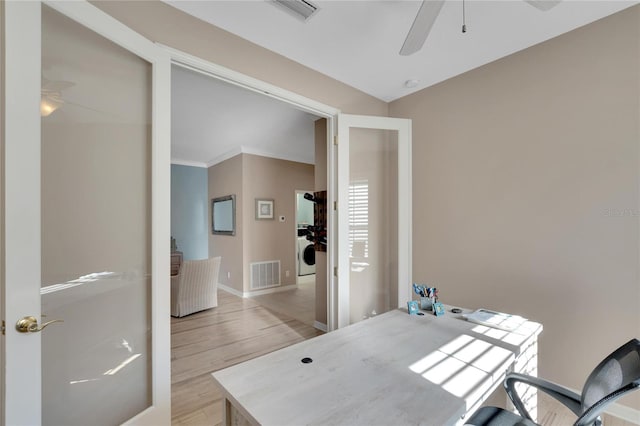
(543,5)
(426,17)
(56,85)
(53,97)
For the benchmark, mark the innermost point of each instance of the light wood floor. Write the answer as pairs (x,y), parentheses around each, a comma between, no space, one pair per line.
(299,303)
(241,329)
(237,330)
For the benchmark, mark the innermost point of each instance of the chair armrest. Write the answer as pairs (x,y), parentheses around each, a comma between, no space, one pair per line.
(566,396)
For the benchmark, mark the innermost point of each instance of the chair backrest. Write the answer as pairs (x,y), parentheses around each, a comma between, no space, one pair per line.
(616,375)
(200,271)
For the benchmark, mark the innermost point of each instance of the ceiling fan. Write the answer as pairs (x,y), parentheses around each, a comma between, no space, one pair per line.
(426,17)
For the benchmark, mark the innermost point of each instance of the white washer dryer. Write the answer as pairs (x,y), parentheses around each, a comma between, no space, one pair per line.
(306,257)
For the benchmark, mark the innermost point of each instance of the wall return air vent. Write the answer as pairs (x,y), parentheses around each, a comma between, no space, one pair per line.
(264,274)
(301,9)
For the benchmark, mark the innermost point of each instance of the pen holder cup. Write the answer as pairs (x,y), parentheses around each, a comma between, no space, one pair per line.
(426,303)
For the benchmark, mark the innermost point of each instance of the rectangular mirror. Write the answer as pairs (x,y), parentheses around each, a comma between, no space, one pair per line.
(223,215)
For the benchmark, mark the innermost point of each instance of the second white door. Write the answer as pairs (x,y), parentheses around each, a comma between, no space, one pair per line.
(374,216)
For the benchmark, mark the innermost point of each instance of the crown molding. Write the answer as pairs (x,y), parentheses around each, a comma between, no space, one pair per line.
(261,153)
(179,162)
(223,157)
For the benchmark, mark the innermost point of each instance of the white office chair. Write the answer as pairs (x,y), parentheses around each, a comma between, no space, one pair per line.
(195,288)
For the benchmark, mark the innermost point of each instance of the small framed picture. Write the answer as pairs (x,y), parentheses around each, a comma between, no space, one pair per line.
(412,307)
(264,209)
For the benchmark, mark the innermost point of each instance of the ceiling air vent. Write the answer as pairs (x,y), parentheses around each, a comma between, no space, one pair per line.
(301,9)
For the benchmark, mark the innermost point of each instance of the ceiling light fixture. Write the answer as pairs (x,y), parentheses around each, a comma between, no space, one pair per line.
(543,5)
(410,84)
(48,106)
(301,9)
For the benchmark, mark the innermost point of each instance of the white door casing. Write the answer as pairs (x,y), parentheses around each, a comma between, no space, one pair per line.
(403,128)
(22,204)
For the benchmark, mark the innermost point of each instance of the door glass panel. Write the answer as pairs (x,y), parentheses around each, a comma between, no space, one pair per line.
(96,227)
(373,222)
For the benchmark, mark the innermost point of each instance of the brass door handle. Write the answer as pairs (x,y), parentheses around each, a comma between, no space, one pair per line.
(29,324)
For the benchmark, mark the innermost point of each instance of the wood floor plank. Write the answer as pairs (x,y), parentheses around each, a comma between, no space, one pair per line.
(298,304)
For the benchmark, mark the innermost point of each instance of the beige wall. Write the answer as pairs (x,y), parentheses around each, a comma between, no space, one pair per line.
(250,177)
(162,23)
(226,179)
(266,240)
(525,177)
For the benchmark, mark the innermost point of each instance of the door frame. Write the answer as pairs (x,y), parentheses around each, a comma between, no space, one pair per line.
(303,103)
(24,18)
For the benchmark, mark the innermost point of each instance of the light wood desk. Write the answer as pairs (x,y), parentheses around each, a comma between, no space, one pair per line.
(392,369)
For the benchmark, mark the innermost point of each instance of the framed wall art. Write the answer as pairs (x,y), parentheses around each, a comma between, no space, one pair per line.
(264,209)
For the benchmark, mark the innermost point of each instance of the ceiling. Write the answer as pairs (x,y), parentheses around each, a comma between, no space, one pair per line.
(212,121)
(357,42)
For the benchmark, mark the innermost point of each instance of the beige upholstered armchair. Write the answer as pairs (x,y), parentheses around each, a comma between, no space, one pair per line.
(195,287)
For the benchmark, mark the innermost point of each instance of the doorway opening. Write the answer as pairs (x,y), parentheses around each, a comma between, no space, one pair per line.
(231,142)
(325,169)
(244,324)
(305,250)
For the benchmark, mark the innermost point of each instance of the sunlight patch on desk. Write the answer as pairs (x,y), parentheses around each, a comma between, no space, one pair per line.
(513,338)
(527,361)
(462,366)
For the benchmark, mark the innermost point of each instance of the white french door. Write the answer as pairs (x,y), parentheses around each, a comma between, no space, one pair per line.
(374,216)
(86,219)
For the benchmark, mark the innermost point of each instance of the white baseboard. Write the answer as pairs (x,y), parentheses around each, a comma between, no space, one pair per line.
(270,290)
(230,290)
(248,294)
(320,326)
